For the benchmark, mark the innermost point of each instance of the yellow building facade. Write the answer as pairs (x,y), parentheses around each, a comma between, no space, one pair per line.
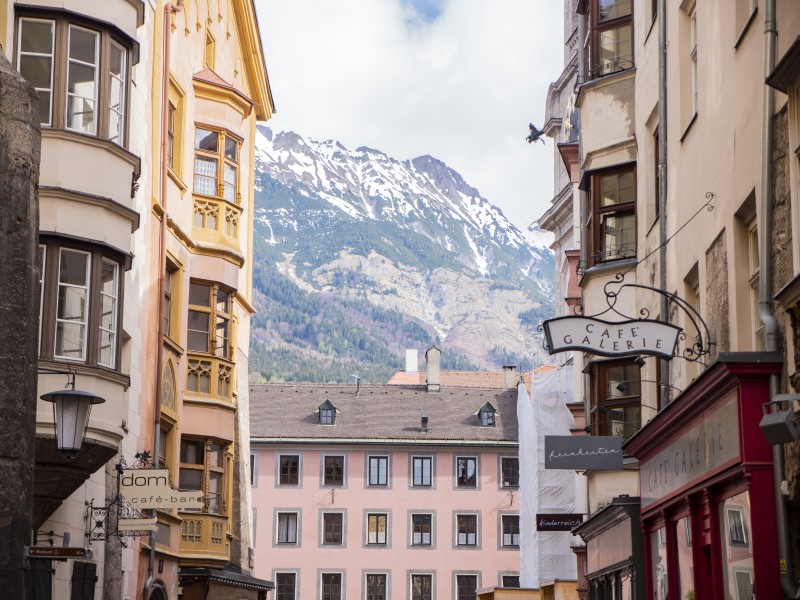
(148,113)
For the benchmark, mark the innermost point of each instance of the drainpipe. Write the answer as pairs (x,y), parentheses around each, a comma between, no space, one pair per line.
(765,288)
(662,184)
(169,9)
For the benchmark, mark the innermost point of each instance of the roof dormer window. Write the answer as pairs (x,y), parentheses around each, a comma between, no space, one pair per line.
(327,413)
(486,415)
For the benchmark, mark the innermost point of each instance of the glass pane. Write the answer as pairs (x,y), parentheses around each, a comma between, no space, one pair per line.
(615,49)
(117,61)
(44,107)
(108,278)
(658,554)
(613,9)
(70,340)
(106,349)
(207,141)
(737,551)
(466,472)
(36,37)
(205,175)
(623,421)
(215,456)
(36,69)
(231,148)
(83,45)
(222,301)
(618,236)
(80,114)
(71,303)
(199,294)
(683,536)
(230,183)
(190,479)
(616,188)
(192,452)
(73,268)
(222,337)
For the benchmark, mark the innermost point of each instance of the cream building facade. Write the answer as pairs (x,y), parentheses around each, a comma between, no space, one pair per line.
(148,113)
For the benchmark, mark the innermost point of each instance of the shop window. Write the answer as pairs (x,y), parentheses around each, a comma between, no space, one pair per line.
(378,470)
(421,586)
(466,587)
(737,553)
(685,566)
(466,530)
(216,166)
(510,581)
(331,584)
(421,528)
(80,72)
(510,526)
(333,470)
(332,529)
(466,471)
(202,468)
(285,586)
(287,528)
(81,305)
(376,586)
(509,467)
(209,305)
(376,529)
(289,469)
(616,407)
(611,226)
(658,562)
(421,470)
(608,47)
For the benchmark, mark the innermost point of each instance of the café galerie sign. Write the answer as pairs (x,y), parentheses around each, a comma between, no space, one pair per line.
(621,338)
(150,488)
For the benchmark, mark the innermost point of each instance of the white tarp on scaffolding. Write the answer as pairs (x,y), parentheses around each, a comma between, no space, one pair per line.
(545,556)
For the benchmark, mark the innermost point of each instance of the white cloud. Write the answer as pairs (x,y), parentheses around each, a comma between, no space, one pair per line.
(462,88)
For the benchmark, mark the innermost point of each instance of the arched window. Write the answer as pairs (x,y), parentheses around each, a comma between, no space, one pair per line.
(168,387)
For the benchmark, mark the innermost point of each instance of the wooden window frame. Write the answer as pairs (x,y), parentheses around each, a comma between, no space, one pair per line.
(594,30)
(467,525)
(59,69)
(375,586)
(285,475)
(419,522)
(465,482)
(282,583)
(222,160)
(506,472)
(465,591)
(332,529)
(597,214)
(215,316)
(331,586)
(509,525)
(600,405)
(330,477)
(206,469)
(374,533)
(291,529)
(380,460)
(421,480)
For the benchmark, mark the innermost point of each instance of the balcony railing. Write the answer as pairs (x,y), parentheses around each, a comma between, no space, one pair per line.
(204,535)
(210,377)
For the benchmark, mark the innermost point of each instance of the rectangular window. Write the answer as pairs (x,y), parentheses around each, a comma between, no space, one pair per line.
(326,416)
(334,470)
(421,530)
(510,471)
(510,530)
(611,229)
(376,529)
(332,524)
(171,135)
(378,470)
(608,47)
(82,68)
(290,470)
(421,587)
(693,54)
(116,93)
(170,284)
(421,470)
(202,468)
(754,271)
(209,304)
(737,552)
(287,528)
(285,585)
(35,61)
(466,587)
(510,581)
(73,304)
(109,286)
(212,150)
(331,586)
(616,407)
(376,586)
(466,471)
(467,530)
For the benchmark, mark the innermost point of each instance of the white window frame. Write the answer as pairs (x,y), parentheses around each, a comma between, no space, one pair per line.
(86,307)
(96,89)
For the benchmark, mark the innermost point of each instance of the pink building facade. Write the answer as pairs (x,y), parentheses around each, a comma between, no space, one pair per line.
(384,492)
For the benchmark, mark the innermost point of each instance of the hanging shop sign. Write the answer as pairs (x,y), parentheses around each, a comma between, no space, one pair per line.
(557,521)
(150,488)
(581,453)
(620,338)
(138,524)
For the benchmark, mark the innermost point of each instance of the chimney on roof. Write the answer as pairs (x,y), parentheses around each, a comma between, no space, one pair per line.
(511,378)
(423,427)
(433,359)
(412,361)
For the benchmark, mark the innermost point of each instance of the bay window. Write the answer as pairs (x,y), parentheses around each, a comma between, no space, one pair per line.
(608,46)
(202,468)
(80,71)
(209,306)
(611,225)
(616,407)
(80,303)
(216,166)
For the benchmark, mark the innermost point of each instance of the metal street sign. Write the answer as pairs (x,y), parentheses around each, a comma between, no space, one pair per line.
(621,338)
(581,453)
(57,552)
(557,521)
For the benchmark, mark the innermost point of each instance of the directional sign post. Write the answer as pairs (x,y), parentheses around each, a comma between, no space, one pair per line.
(56,552)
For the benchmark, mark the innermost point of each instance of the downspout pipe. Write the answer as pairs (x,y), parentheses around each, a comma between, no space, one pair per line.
(765,283)
(664,387)
(169,9)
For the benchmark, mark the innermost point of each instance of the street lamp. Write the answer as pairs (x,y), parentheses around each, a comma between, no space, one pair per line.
(71,410)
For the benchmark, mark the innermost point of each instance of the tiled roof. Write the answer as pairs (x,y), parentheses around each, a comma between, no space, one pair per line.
(380,412)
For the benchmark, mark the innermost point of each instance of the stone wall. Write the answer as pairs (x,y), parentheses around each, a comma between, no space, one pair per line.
(717,296)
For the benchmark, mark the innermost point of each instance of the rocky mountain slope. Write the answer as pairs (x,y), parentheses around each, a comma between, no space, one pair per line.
(360,256)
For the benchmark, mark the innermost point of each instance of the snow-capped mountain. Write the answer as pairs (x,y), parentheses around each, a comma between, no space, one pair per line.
(408,237)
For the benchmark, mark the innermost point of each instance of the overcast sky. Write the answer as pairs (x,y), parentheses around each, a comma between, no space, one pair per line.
(457,79)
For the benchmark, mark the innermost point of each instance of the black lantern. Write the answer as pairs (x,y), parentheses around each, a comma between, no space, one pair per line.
(71,409)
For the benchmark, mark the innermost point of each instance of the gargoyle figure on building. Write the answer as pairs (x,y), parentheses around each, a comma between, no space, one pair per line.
(535,135)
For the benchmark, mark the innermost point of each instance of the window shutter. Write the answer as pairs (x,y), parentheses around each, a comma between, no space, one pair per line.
(84,576)
(40,584)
